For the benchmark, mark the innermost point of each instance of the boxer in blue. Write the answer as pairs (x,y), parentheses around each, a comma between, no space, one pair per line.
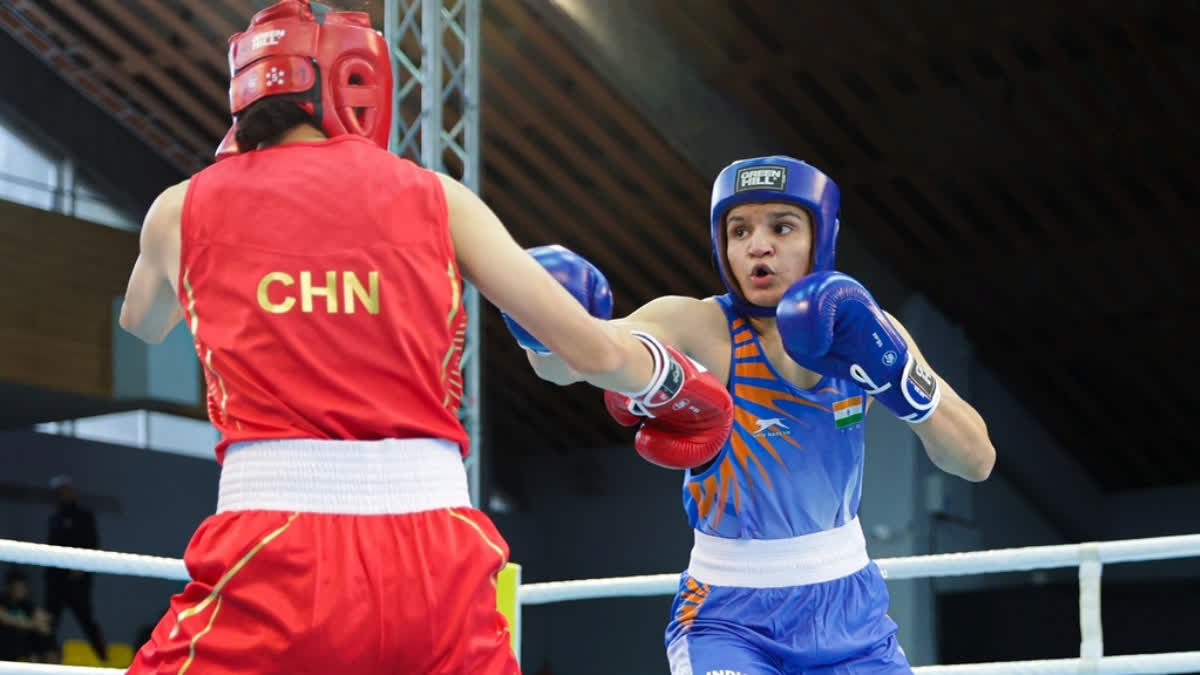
(779,580)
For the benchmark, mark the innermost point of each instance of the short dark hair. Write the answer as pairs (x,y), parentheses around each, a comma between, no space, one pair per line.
(265,120)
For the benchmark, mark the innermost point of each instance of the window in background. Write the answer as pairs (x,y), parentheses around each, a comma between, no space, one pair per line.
(28,175)
(33,175)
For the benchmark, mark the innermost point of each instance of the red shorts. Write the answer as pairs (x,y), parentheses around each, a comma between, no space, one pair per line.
(278,592)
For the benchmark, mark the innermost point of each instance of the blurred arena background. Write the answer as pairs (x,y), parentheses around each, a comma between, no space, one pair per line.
(1019,188)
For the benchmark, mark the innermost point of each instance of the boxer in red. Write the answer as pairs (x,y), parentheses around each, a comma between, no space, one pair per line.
(321,279)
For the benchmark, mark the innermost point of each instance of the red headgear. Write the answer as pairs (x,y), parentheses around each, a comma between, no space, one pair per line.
(333,64)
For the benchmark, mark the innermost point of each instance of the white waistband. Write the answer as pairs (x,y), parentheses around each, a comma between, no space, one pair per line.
(772,563)
(352,477)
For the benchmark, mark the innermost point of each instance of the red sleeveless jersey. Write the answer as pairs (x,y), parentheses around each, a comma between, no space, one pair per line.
(320,285)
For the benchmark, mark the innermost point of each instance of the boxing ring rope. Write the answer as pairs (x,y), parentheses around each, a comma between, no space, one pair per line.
(1089,558)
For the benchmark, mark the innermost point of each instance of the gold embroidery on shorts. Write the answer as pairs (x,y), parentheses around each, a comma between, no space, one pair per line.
(215,593)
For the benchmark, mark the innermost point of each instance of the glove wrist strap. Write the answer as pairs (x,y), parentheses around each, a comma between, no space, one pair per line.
(665,382)
(921,391)
(913,397)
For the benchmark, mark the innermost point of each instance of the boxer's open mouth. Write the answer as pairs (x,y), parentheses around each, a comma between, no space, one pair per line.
(761,275)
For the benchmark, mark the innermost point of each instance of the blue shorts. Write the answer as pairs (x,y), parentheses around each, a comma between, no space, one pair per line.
(838,626)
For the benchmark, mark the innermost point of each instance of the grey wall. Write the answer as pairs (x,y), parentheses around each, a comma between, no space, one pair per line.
(145,502)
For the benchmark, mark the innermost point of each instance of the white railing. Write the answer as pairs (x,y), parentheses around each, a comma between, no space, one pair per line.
(1089,558)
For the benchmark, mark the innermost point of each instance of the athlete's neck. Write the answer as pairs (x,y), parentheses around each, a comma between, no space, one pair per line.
(763,325)
(301,133)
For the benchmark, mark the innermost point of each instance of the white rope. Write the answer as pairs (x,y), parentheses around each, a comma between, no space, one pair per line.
(909,567)
(948,564)
(584,589)
(1174,662)
(87,560)
(943,564)
(1039,557)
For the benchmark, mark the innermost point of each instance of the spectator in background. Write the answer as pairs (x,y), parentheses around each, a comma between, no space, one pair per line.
(24,631)
(74,526)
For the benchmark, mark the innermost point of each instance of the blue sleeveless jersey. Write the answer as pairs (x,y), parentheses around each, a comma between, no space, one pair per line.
(793,464)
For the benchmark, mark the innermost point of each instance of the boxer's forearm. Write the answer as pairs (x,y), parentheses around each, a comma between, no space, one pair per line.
(552,368)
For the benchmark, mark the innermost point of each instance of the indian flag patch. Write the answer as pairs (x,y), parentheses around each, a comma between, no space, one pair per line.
(848,411)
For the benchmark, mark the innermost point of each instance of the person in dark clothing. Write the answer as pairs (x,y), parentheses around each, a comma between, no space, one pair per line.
(74,526)
(24,630)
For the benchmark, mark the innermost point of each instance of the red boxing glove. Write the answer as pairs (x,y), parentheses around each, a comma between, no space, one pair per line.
(685,414)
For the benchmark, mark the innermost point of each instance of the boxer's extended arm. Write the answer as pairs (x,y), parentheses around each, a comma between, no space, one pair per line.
(674,319)
(151,308)
(684,413)
(607,356)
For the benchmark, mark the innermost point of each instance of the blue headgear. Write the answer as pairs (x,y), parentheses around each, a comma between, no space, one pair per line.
(775,179)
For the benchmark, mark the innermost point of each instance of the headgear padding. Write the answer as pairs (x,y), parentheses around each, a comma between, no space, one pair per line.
(334,65)
(775,179)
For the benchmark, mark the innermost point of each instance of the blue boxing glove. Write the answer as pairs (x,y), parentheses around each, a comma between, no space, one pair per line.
(578,276)
(831,325)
